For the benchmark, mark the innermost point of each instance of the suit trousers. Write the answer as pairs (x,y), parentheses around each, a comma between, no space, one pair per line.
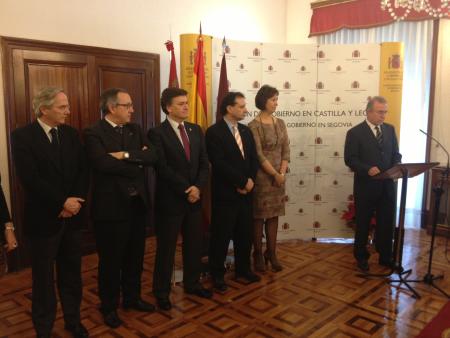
(375,198)
(65,248)
(121,247)
(231,222)
(167,230)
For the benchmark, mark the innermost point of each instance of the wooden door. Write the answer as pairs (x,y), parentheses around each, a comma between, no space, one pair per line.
(83,72)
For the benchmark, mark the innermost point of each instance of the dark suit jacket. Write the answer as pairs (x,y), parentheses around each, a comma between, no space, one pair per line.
(229,169)
(112,178)
(4,213)
(174,172)
(362,150)
(48,182)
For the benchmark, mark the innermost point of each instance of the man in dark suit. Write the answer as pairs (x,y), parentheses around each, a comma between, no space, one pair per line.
(371,147)
(182,171)
(50,163)
(118,152)
(6,225)
(232,153)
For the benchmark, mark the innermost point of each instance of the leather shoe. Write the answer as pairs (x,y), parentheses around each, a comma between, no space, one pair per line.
(363,265)
(164,304)
(139,305)
(199,291)
(112,319)
(77,330)
(219,284)
(248,276)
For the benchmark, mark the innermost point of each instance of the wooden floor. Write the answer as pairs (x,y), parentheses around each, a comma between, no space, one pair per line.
(318,294)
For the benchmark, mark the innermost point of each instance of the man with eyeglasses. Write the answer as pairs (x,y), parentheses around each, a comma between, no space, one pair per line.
(118,152)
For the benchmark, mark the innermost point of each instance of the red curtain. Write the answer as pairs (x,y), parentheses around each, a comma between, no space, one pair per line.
(335,15)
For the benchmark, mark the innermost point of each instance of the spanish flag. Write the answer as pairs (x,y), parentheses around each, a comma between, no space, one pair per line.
(198,108)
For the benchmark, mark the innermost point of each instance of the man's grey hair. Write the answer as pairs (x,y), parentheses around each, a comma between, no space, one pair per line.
(379,99)
(45,99)
(109,98)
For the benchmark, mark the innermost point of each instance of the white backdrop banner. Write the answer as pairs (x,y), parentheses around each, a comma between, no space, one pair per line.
(323,92)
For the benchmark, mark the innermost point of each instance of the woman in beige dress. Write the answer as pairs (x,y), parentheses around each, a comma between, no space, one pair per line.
(272,146)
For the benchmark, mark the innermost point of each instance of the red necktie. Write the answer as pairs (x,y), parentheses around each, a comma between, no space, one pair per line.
(185,140)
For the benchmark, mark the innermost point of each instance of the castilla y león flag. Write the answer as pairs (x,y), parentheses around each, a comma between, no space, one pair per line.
(173,78)
(223,81)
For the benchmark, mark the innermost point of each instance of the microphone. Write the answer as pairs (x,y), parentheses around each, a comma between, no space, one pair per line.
(440,145)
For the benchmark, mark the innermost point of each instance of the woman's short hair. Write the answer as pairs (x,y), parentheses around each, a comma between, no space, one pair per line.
(264,93)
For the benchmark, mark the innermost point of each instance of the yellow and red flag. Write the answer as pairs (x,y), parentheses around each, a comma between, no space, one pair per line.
(173,78)
(198,107)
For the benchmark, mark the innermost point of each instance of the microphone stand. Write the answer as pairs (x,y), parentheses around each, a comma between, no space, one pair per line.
(429,278)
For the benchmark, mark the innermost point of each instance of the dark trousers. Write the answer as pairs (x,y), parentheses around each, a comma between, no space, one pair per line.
(230,222)
(167,231)
(120,248)
(375,198)
(64,248)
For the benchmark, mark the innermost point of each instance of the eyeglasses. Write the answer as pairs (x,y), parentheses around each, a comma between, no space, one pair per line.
(126,105)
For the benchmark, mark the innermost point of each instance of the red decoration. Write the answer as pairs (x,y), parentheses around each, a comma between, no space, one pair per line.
(349,216)
(357,14)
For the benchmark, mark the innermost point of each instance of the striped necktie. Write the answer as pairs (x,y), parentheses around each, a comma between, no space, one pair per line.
(237,137)
(379,135)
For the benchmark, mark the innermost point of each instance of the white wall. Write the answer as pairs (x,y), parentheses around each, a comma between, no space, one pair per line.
(144,25)
(298,17)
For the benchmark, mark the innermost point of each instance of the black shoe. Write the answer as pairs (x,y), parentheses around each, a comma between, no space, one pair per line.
(139,305)
(112,319)
(219,284)
(363,265)
(388,263)
(199,291)
(248,276)
(164,304)
(77,330)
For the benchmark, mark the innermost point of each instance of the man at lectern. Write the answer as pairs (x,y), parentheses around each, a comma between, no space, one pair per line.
(371,147)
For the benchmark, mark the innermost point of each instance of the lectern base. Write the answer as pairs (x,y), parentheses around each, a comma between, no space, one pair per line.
(401,280)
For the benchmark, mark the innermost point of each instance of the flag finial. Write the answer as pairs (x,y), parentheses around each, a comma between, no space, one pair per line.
(224,44)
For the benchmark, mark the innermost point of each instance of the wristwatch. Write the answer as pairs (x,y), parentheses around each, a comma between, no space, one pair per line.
(10,227)
(126,155)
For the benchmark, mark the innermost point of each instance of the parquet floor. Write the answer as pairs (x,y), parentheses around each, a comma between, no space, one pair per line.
(318,294)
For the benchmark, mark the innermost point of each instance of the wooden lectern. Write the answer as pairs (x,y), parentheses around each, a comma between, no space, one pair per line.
(403,171)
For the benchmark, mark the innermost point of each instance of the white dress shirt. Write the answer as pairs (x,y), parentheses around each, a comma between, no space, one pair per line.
(175,125)
(46,128)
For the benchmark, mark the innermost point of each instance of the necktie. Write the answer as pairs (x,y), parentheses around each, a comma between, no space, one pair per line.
(55,138)
(185,140)
(379,135)
(237,137)
(56,145)
(119,129)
